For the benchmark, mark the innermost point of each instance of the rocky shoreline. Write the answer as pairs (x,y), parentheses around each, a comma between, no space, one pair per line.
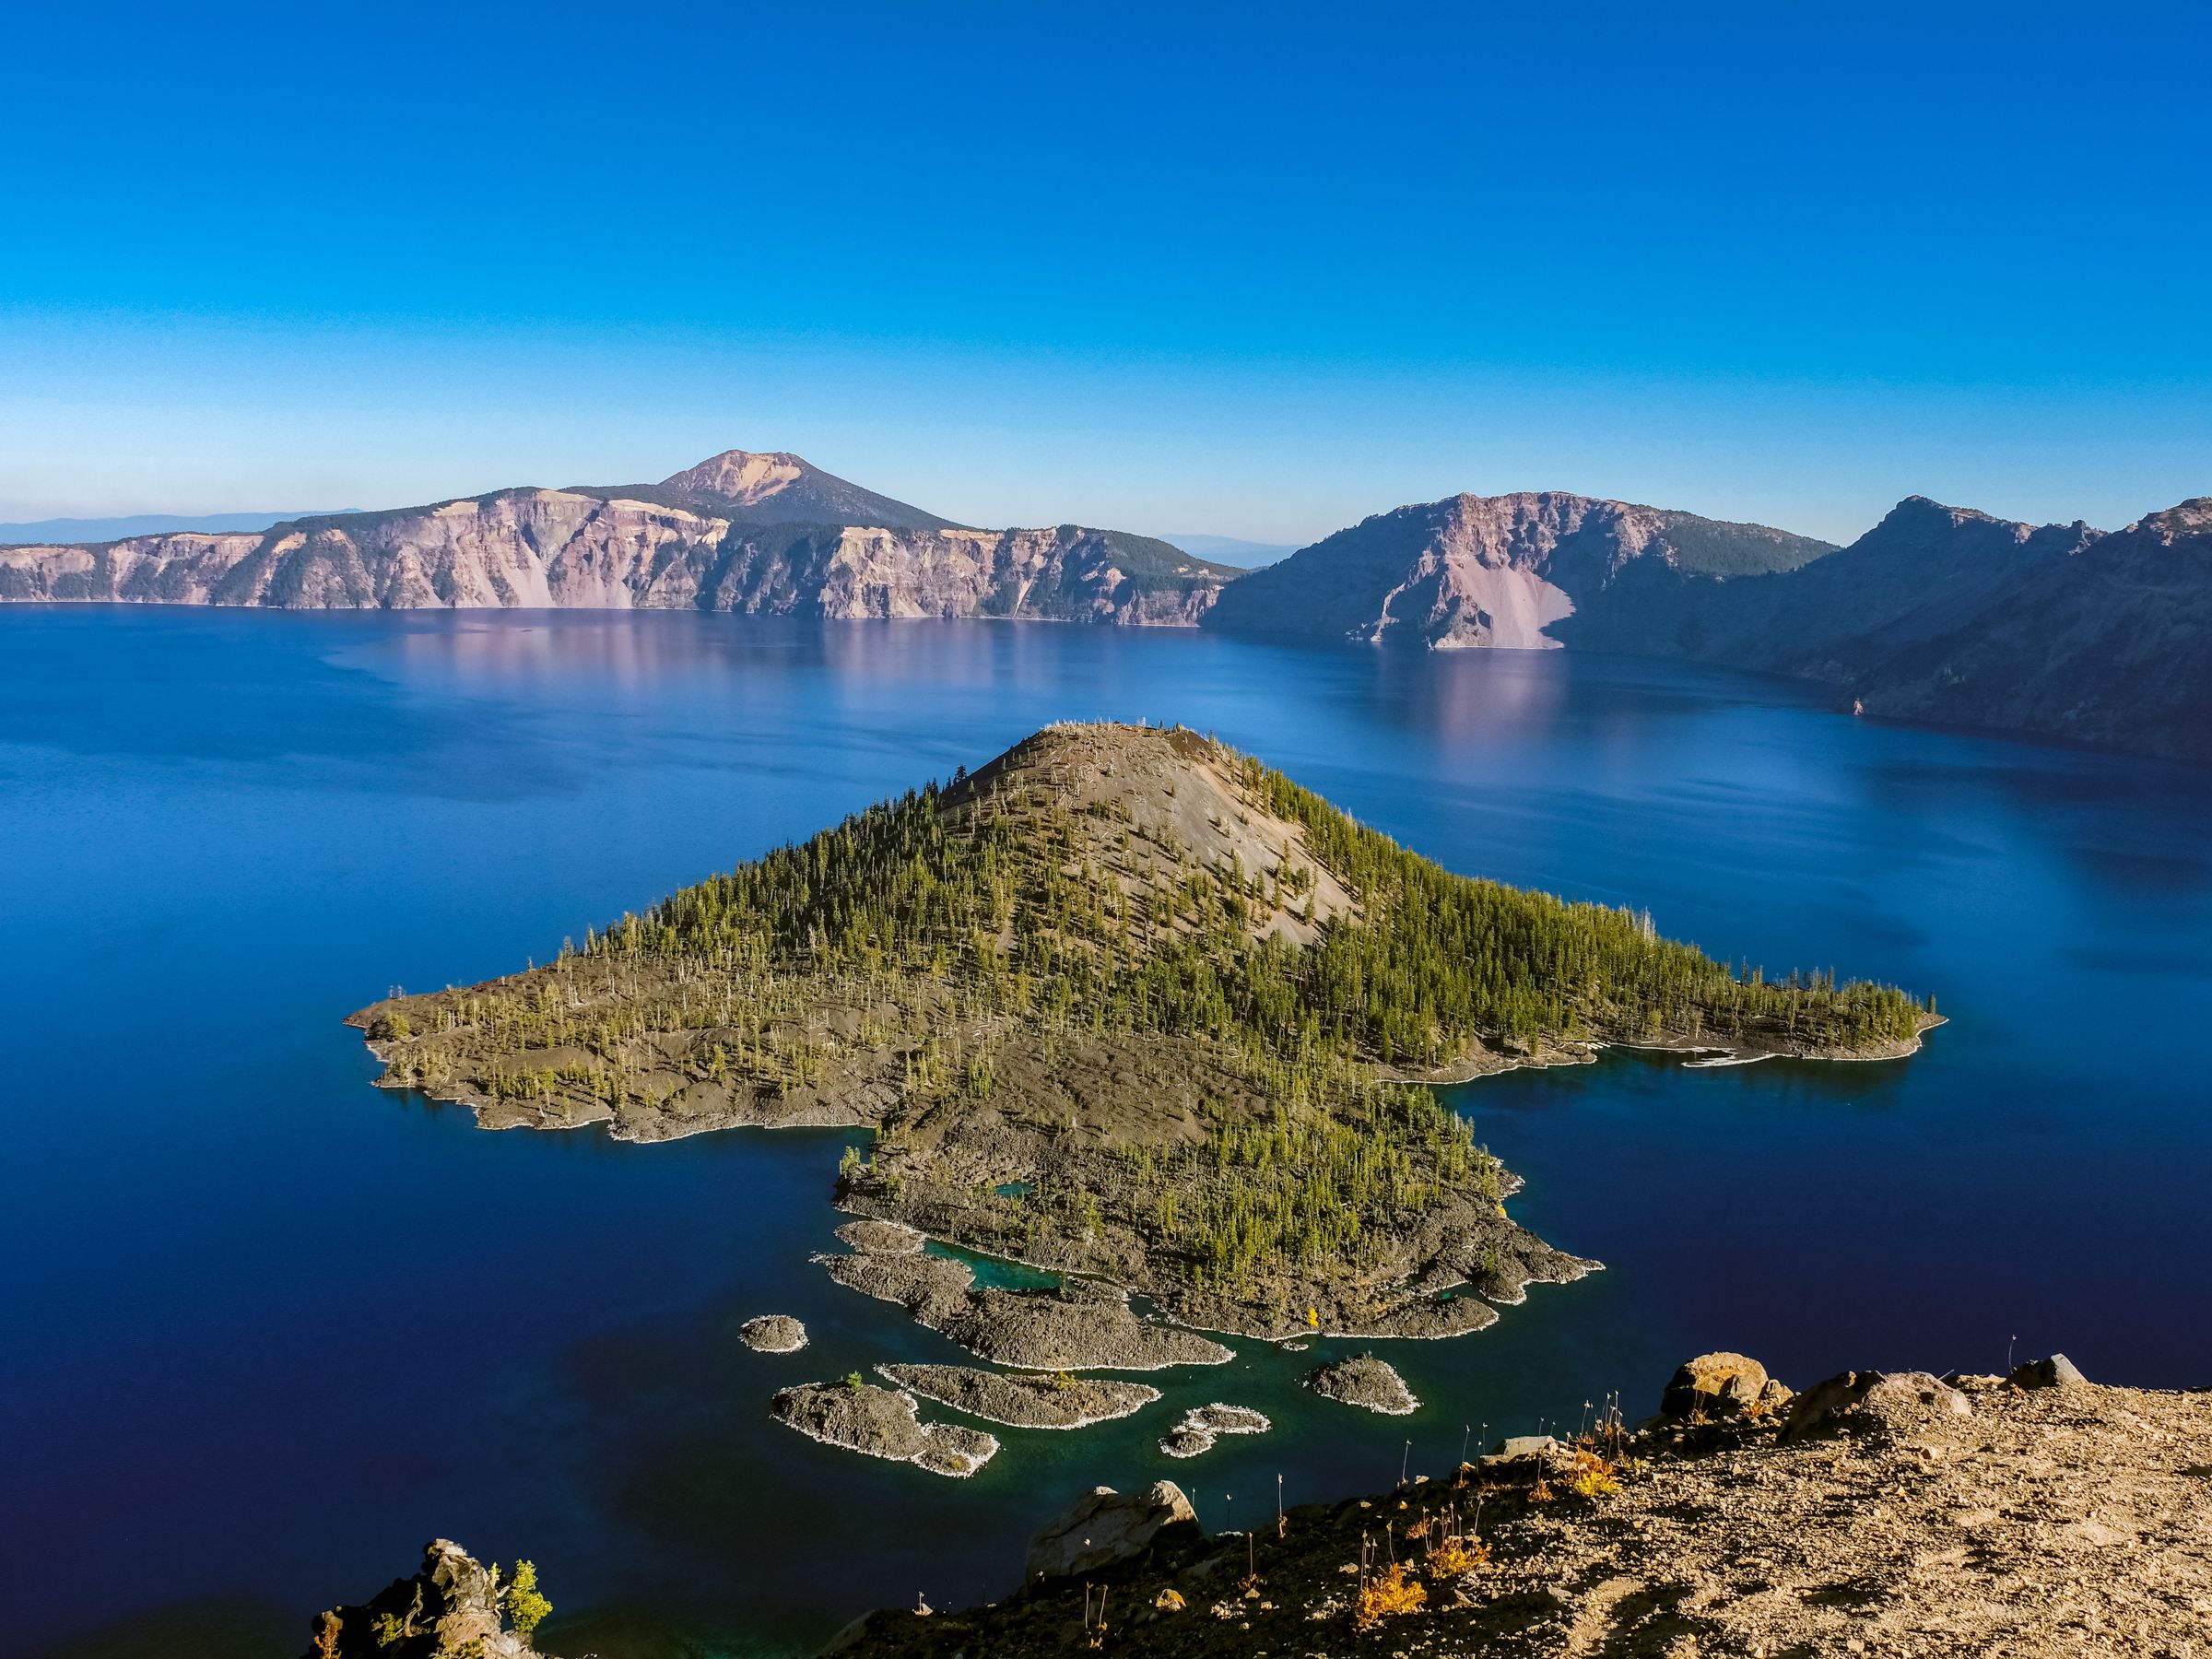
(772,1334)
(868,1237)
(1896,1515)
(1365,1382)
(1202,1424)
(881,1422)
(1059,1401)
(1074,1328)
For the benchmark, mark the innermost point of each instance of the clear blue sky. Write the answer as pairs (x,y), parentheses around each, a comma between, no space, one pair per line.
(1250,271)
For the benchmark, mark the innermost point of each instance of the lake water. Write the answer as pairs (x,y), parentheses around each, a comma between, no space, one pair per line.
(264,1329)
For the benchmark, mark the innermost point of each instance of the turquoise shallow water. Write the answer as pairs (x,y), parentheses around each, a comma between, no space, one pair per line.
(266,1330)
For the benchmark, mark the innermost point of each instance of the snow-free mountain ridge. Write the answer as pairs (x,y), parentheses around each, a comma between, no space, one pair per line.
(1938,613)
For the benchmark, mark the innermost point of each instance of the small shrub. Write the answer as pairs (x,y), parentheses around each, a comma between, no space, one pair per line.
(1592,1477)
(1389,1596)
(526,1608)
(1455,1558)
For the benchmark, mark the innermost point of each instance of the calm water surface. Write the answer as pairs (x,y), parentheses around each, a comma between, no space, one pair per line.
(264,1330)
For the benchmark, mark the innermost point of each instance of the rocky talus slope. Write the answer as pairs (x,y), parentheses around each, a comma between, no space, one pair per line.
(1489,571)
(743,532)
(1879,1514)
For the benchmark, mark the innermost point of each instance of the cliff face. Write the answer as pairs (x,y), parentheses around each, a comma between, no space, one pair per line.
(1950,617)
(2111,646)
(1924,569)
(752,533)
(1488,570)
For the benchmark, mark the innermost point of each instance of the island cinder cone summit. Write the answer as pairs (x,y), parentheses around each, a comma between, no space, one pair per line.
(759,534)
(1127,1003)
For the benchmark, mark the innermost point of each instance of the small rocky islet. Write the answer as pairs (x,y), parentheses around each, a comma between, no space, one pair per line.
(1363,1381)
(1058,1401)
(1076,1326)
(772,1334)
(1202,1426)
(881,1422)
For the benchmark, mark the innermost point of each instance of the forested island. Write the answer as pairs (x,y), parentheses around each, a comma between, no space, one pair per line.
(1127,1004)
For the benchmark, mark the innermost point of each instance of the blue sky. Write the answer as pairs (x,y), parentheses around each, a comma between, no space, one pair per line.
(1249,271)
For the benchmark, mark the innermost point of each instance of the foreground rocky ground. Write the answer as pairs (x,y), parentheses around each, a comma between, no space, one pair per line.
(1877,1514)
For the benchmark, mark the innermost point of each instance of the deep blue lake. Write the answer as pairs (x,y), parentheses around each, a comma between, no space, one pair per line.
(265,1330)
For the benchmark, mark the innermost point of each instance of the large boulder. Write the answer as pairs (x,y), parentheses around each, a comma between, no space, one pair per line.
(1876,1403)
(1720,1385)
(2046,1373)
(1104,1526)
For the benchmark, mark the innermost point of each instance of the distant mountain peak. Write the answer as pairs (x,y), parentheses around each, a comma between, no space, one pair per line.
(1921,508)
(762,486)
(2192,517)
(1472,571)
(1920,516)
(742,477)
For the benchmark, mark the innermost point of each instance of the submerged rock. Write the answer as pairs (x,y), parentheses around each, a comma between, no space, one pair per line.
(1059,1401)
(881,1422)
(773,1333)
(1365,1382)
(1104,1526)
(1203,1425)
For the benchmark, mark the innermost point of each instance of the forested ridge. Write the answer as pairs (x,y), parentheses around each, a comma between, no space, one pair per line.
(1006,889)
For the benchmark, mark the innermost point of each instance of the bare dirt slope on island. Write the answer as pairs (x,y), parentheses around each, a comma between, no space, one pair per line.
(1882,1516)
(1123,1004)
